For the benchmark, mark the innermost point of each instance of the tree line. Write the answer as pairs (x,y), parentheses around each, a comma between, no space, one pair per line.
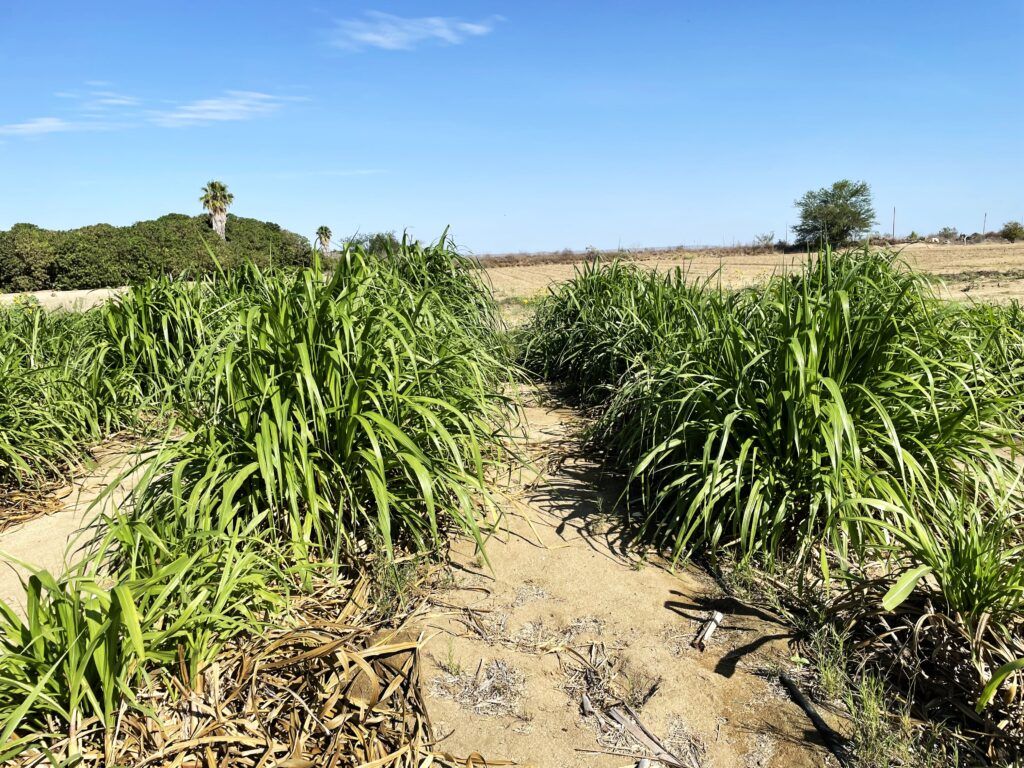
(101,255)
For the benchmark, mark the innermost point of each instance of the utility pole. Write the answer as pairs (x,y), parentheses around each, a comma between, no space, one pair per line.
(984,223)
(894,222)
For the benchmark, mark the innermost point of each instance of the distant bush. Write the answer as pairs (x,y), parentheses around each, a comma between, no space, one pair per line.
(377,243)
(765,242)
(26,257)
(102,255)
(1012,231)
(947,233)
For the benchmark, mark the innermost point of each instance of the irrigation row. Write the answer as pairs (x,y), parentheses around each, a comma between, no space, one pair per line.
(303,427)
(841,430)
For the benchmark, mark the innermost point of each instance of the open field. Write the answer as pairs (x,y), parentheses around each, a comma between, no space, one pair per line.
(989,271)
(984,271)
(443,538)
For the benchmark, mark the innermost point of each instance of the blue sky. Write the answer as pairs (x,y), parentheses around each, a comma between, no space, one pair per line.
(524,126)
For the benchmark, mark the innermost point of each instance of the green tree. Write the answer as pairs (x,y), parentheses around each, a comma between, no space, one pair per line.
(101,255)
(323,239)
(1012,231)
(835,215)
(383,243)
(216,199)
(26,258)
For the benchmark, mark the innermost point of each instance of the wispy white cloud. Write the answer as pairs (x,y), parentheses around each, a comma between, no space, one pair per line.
(112,99)
(37,126)
(103,100)
(231,106)
(41,126)
(399,33)
(101,108)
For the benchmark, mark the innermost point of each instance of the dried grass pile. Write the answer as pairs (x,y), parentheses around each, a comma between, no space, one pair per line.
(334,688)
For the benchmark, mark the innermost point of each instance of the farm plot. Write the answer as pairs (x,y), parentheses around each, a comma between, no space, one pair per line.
(837,445)
(302,427)
(839,429)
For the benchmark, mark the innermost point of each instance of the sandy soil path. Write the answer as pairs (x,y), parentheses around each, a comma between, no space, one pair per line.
(562,579)
(76,300)
(55,540)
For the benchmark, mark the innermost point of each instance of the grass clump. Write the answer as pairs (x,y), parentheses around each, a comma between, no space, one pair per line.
(611,318)
(829,393)
(840,426)
(357,410)
(319,421)
(61,391)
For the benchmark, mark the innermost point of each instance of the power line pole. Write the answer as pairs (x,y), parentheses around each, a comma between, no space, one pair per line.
(984,223)
(894,222)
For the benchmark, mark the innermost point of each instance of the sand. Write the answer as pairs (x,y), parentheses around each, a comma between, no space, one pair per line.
(560,575)
(55,540)
(76,300)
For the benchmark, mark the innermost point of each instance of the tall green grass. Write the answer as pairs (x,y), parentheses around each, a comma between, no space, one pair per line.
(359,409)
(842,419)
(609,320)
(319,418)
(61,390)
(767,419)
(831,393)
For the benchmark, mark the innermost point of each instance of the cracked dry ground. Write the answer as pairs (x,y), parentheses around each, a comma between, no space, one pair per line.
(566,609)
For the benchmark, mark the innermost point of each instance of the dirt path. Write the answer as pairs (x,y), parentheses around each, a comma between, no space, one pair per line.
(53,541)
(502,673)
(566,609)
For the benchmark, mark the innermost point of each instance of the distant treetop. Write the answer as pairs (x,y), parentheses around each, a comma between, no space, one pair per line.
(102,255)
(835,215)
(216,199)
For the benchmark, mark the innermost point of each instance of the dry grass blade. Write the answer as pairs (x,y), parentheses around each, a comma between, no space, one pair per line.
(493,689)
(17,507)
(333,689)
(610,694)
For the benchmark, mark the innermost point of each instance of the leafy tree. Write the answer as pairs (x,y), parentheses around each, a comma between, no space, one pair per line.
(101,255)
(947,233)
(323,239)
(383,243)
(26,257)
(835,215)
(1012,231)
(216,200)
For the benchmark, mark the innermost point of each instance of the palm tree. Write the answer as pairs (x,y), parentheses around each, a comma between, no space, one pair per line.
(216,200)
(323,238)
